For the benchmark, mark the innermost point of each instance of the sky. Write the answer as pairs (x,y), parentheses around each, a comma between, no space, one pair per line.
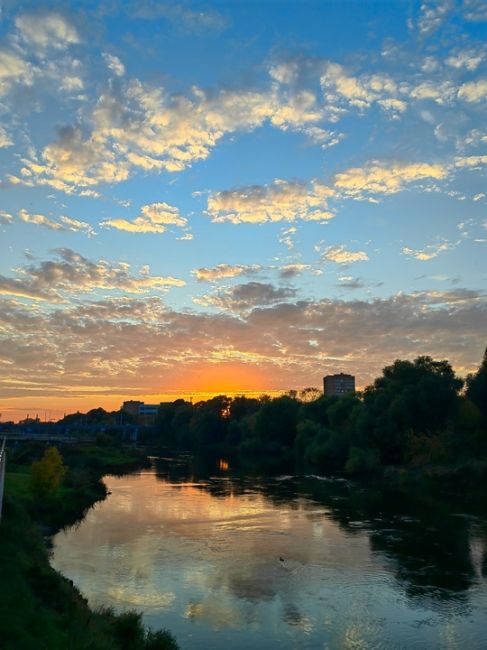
(236,197)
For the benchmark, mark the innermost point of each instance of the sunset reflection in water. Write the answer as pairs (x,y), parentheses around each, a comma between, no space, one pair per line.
(245,562)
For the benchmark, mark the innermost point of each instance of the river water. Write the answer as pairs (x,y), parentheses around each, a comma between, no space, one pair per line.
(282,563)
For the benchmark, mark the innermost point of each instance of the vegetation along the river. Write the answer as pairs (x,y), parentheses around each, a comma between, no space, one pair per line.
(40,609)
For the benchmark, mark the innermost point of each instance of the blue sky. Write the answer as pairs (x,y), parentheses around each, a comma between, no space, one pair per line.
(236,196)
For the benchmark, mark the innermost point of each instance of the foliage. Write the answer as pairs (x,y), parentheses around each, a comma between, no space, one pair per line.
(48,472)
(477,387)
(362,461)
(412,414)
(38,607)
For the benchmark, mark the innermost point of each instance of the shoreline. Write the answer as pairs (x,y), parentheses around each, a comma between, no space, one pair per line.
(53,612)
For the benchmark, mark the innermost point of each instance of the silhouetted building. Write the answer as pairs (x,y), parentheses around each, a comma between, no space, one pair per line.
(145,413)
(131,407)
(337,385)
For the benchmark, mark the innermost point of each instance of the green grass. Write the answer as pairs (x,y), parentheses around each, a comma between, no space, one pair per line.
(17,483)
(39,608)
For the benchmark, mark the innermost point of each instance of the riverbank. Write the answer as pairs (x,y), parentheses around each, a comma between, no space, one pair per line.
(39,608)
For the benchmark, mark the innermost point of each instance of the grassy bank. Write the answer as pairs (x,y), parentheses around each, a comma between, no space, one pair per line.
(39,608)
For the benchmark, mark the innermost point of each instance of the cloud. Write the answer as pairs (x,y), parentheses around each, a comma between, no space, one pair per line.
(473,91)
(244,297)
(360,92)
(5,139)
(430,252)
(133,345)
(153,218)
(379,177)
(280,201)
(71,274)
(349,282)
(471,161)
(134,126)
(64,223)
(440,92)
(49,30)
(292,270)
(78,226)
(474,10)
(468,59)
(340,255)
(286,237)
(221,271)
(432,15)
(191,20)
(39,220)
(5,217)
(14,70)
(114,64)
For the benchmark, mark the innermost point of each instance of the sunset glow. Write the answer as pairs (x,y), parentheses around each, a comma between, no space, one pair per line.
(236,198)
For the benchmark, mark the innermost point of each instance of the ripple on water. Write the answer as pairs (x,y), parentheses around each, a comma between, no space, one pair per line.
(203,559)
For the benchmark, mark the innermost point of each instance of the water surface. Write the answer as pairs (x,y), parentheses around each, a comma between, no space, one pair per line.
(283,562)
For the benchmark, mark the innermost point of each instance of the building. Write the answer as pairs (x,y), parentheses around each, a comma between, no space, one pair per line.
(132,407)
(145,413)
(337,385)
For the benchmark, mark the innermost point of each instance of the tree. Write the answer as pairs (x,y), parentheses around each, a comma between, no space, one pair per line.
(477,387)
(276,421)
(48,472)
(411,398)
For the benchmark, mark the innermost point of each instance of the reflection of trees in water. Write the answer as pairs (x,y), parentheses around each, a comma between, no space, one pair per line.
(425,540)
(428,545)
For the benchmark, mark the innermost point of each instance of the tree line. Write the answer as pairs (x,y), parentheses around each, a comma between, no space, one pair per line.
(416,412)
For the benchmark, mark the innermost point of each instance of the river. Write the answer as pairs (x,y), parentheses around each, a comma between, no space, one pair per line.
(289,562)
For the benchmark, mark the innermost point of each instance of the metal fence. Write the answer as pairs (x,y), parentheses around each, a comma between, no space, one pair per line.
(3,460)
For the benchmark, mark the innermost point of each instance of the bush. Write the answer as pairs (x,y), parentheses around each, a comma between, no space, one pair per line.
(363,461)
(48,472)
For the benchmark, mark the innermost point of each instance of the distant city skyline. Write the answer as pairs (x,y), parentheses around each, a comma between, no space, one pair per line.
(236,197)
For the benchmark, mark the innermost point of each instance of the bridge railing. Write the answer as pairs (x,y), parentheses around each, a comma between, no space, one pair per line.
(3,460)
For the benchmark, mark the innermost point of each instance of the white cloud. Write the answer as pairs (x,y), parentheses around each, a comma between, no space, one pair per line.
(468,59)
(138,127)
(39,220)
(470,161)
(340,255)
(360,91)
(286,237)
(475,10)
(5,139)
(429,252)
(440,92)
(292,270)
(49,30)
(13,70)
(380,177)
(114,64)
(71,84)
(153,218)
(473,91)
(221,271)
(432,15)
(280,201)
(78,226)
(192,20)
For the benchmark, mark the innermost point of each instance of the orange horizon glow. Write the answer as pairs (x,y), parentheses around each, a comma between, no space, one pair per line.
(53,409)
(198,383)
